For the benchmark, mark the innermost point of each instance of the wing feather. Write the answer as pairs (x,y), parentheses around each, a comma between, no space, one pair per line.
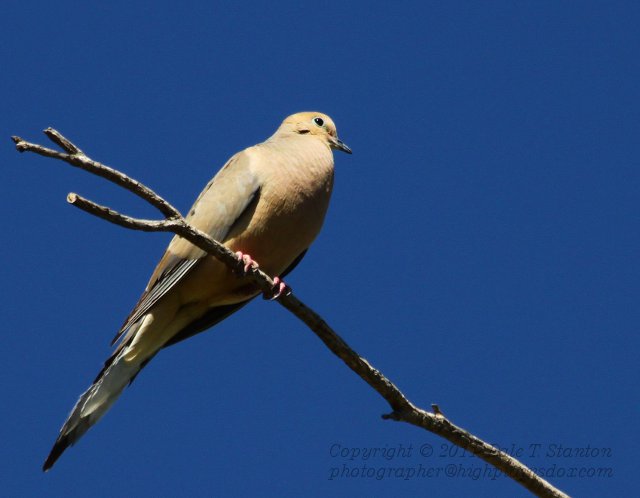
(216,210)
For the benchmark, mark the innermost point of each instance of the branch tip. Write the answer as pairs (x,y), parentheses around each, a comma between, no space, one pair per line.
(392,416)
(57,138)
(21,145)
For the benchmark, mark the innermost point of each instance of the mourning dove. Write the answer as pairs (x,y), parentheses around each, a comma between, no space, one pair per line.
(267,204)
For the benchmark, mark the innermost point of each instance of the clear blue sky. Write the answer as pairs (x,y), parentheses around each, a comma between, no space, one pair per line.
(481,248)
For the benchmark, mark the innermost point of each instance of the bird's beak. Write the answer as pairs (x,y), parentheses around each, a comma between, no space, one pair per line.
(336,143)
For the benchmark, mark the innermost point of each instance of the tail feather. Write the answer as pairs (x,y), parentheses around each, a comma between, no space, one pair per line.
(93,404)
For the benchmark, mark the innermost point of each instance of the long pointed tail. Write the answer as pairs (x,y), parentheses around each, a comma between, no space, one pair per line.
(94,403)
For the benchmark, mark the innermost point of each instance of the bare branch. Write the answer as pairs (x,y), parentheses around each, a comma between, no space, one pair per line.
(403,409)
(57,138)
(80,160)
(112,216)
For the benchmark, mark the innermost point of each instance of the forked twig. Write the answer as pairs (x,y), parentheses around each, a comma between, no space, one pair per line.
(402,409)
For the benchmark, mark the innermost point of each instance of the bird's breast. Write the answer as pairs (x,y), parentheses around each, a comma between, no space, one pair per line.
(289,211)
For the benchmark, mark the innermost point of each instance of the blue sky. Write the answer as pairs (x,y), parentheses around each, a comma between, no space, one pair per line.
(481,248)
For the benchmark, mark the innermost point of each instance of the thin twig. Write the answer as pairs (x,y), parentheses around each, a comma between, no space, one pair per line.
(80,160)
(403,409)
(112,216)
(57,138)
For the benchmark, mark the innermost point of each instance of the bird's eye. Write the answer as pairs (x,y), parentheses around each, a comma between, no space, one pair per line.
(318,121)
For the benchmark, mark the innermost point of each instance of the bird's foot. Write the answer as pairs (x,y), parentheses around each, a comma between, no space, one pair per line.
(246,261)
(279,289)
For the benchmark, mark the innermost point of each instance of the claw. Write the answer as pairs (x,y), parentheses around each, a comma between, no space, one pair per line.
(279,288)
(248,262)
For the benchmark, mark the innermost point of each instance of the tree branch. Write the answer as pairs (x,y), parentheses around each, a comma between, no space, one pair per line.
(402,409)
(75,157)
(112,216)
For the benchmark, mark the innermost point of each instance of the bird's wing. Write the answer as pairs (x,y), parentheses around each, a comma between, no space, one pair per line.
(223,201)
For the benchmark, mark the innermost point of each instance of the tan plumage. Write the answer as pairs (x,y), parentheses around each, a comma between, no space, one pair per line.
(268,201)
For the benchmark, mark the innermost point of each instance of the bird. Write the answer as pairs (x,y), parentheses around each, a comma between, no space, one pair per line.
(267,204)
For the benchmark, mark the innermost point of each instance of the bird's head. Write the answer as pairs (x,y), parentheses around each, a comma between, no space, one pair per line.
(315,124)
